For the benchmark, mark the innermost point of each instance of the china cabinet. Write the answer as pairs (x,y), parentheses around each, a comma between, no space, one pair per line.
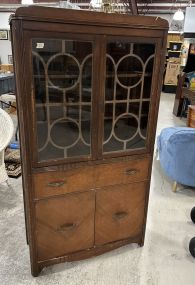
(88,87)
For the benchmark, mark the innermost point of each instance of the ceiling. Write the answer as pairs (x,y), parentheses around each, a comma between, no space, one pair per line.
(143,6)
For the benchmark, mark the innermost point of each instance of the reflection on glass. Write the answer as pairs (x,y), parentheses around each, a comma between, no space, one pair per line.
(121,93)
(125,127)
(40,90)
(107,128)
(129,68)
(144,118)
(110,78)
(55,95)
(62,72)
(148,78)
(72,96)
(87,79)
(144,51)
(129,71)
(59,132)
(55,113)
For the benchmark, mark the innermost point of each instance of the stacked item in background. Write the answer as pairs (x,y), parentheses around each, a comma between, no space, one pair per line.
(173,66)
(12,162)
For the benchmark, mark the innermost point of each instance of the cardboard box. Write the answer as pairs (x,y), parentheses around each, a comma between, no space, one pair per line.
(172,71)
(7,68)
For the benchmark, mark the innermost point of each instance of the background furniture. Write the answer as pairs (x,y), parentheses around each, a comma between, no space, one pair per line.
(172,66)
(6,131)
(182,80)
(188,98)
(7,68)
(176,147)
(178,103)
(191,116)
(183,96)
(7,83)
(87,127)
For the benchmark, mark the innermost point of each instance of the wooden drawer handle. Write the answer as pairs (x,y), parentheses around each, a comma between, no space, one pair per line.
(120,215)
(67,227)
(56,183)
(131,171)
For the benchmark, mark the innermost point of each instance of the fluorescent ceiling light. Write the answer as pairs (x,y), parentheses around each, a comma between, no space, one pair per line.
(179,15)
(27,2)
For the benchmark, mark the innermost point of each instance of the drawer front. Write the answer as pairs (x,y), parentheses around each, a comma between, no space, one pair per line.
(119,212)
(61,182)
(122,172)
(64,225)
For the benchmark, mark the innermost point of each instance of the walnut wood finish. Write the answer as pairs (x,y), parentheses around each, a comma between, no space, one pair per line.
(80,207)
(50,184)
(122,172)
(119,212)
(64,225)
(191,116)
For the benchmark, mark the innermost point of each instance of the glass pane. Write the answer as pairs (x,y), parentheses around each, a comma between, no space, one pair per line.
(87,79)
(110,78)
(62,71)
(55,95)
(121,93)
(129,68)
(144,118)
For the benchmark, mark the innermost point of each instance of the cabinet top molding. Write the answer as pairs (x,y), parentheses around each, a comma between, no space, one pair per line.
(48,14)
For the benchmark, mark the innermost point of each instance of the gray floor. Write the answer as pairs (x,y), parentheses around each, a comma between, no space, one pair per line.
(164,259)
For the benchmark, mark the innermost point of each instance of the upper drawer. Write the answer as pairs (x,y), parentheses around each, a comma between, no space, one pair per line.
(60,182)
(122,172)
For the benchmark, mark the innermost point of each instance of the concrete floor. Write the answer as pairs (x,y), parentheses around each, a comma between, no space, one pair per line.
(164,259)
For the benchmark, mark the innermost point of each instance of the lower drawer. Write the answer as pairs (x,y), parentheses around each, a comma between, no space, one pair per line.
(119,212)
(65,224)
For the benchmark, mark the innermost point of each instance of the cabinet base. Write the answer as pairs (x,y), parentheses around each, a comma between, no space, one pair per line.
(84,254)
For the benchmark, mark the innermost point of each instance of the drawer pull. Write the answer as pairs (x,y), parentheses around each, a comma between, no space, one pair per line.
(120,215)
(56,184)
(67,227)
(131,171)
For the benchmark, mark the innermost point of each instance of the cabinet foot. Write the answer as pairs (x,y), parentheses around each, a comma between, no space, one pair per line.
(35,270)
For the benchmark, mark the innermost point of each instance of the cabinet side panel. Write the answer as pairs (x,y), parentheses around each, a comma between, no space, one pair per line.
(21,75)
(159,71)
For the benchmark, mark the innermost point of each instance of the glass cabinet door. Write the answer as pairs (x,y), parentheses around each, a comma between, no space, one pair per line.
(129,68)
(62,77)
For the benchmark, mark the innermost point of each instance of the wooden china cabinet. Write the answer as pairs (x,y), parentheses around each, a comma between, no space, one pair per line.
(88,87)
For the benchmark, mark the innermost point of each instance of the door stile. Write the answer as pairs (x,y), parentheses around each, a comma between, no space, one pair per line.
(99,75)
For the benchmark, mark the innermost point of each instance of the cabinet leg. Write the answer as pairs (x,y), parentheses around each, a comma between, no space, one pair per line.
(141,242)
(35,270)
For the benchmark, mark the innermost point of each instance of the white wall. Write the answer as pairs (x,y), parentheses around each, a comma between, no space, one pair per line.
(5,45)
(189,24)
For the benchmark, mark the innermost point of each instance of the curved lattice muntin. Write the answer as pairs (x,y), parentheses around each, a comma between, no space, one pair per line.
(129,69)
(62,72)
(62,85)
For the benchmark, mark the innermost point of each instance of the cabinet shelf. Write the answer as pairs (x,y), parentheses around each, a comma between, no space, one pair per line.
(136,74)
